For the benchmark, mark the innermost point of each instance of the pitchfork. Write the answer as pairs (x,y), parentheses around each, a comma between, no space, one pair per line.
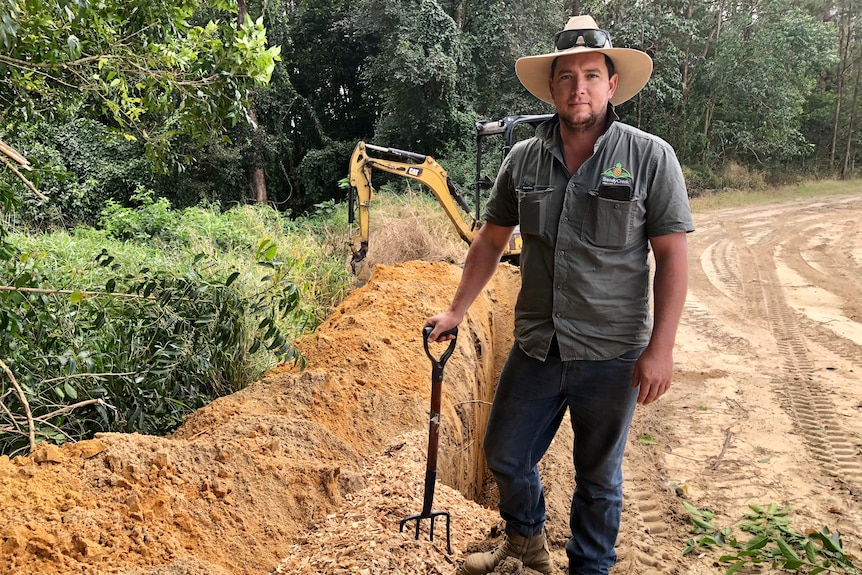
(433,436)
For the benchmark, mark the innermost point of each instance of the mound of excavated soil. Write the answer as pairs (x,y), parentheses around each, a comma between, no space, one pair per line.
(241,484)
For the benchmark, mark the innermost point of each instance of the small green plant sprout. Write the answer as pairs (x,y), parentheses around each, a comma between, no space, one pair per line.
(708,535)
(772,542)
(648,439)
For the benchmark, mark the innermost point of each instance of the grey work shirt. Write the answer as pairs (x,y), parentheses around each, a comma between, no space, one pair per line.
(584,260)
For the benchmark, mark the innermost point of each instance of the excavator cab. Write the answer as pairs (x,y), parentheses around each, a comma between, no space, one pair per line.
(367,157)
(510,129)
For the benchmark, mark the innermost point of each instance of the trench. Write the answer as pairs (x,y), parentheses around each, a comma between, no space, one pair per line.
(484,342)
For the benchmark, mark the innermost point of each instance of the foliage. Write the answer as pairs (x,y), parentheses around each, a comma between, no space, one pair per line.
(772,542)
(139,67)
(496,34)
(141,63)
(140,332)
(154,218)
(321,169)
(765,84)
(153,345)
(729,82)
(78,164)
(416,75)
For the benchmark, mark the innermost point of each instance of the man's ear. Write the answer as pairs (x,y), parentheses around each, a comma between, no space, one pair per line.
(612,81)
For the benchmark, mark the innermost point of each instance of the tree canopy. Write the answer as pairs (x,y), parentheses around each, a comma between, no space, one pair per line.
(771,85)
(142,66)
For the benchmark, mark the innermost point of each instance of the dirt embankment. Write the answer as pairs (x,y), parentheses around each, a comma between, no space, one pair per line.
(311,473)
(249,475)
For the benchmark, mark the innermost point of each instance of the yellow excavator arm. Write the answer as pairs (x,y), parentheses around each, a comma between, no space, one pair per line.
(419,167)
(366,158)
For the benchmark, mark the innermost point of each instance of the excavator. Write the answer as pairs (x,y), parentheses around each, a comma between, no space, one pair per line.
(367,158)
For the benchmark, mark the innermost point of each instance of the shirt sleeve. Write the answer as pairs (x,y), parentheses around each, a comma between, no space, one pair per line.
(502,206)
(667,207)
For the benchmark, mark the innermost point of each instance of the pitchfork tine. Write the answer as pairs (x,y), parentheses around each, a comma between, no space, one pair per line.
(433,515)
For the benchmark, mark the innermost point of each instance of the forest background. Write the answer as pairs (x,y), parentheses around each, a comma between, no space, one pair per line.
(177,211)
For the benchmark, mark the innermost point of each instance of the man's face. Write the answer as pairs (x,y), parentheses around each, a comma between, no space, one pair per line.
(581,89)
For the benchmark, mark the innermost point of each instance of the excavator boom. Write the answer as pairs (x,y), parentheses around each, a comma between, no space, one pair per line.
(367,158)
(411,165)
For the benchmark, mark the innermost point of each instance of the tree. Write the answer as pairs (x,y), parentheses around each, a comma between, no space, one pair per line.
(417,74)
(759,80)
(497,34)
(139,65)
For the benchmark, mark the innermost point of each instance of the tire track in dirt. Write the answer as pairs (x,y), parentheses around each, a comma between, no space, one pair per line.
(803,397)
(649,528)
(765,402)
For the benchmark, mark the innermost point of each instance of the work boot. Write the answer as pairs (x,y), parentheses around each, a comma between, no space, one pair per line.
(531,551)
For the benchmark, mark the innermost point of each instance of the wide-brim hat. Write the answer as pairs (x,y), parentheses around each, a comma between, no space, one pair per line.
(633,66)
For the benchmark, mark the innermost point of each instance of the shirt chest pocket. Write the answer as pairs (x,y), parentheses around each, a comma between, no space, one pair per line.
(534,211)
(607,223)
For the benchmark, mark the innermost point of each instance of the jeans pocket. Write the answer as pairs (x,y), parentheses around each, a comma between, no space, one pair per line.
(630,356)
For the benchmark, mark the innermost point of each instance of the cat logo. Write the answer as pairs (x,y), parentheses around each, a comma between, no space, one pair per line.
(414,172)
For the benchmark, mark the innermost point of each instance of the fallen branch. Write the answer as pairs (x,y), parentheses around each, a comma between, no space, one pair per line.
(15,155)
(47,291)
(70,292)
(74,406)
(12,168)
(74,375)
(11,376)
(727,439)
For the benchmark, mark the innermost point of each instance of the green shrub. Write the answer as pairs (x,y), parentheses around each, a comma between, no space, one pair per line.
(139,332)
(79,164)
(141,350)
(153,219)
(320,171)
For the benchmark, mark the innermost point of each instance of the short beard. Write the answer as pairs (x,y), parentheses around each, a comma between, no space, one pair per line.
(584,126)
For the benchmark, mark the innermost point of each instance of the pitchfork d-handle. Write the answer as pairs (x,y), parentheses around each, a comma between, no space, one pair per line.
(438,363)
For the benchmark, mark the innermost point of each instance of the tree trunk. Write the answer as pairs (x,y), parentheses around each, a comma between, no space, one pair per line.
(458,16)
(843,57)
(255,173)
(845,169)
(576,8)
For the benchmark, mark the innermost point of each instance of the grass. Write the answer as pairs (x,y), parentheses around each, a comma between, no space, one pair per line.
(802,190)
(411,226)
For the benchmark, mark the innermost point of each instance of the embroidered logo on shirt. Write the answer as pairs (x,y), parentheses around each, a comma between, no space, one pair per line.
(617,184)
(616,176)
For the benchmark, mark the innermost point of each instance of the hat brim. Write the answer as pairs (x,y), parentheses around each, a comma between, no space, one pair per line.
(633,67)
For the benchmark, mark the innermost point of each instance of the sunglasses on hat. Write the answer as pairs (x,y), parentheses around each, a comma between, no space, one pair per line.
(566,39)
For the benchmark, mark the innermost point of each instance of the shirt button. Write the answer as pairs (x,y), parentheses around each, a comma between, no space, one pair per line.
(558,314)
(562,252)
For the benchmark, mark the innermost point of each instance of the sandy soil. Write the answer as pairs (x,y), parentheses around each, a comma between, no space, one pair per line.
(312,472)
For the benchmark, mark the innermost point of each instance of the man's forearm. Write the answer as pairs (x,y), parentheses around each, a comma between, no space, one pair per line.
(482,261)
(670,287)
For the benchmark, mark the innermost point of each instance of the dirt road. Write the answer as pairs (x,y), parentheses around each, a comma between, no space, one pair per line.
(767,401)
(308,473)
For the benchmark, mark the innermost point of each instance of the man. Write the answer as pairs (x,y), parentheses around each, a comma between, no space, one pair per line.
(592,197)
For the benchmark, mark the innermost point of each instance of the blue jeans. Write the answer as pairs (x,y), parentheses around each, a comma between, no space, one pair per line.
(529,405)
